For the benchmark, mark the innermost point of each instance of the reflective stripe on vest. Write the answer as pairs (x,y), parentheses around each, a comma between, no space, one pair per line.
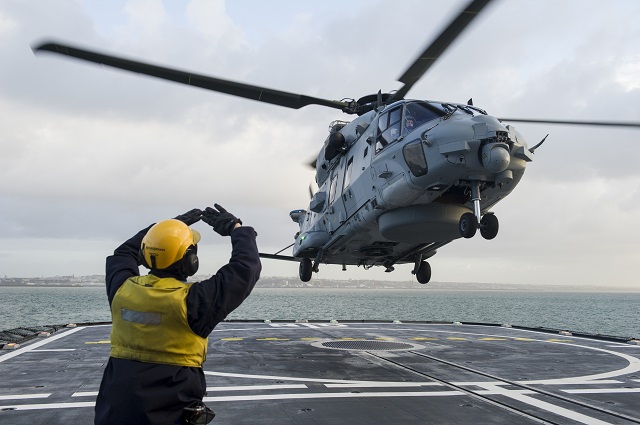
(150,323)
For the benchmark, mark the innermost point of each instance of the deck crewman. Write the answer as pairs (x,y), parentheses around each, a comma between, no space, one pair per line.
(161,323)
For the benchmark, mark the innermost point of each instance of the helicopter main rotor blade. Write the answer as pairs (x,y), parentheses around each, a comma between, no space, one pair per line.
(441,43)
(596,123)
(261,94)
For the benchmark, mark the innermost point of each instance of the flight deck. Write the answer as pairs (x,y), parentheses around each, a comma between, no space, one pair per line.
(309,373)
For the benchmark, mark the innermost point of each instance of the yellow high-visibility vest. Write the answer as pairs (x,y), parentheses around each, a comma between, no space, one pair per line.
(150,325)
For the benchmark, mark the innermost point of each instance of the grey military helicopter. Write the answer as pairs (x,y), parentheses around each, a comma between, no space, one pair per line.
(402,179)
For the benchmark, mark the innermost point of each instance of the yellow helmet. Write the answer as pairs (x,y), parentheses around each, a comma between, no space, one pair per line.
(166,243)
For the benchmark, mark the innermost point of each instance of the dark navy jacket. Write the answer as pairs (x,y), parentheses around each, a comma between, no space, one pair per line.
(133,392)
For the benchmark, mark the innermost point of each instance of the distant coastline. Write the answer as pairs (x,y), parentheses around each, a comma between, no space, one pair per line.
(294,282)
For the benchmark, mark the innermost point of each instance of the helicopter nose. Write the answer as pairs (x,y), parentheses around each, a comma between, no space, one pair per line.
(496,157)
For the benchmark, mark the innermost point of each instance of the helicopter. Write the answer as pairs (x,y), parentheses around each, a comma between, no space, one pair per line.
(402,179)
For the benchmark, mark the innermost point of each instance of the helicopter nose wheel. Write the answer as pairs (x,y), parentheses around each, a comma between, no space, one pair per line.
(470,222)
(305,270)
(468,225)
(489,226)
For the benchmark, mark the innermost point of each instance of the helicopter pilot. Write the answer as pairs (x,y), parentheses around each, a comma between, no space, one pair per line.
(409,125)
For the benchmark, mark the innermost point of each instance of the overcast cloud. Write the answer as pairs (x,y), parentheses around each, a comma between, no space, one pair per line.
(89,155)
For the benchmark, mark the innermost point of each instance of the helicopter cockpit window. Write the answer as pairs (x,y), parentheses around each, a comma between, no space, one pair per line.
(418,113)
(388,128)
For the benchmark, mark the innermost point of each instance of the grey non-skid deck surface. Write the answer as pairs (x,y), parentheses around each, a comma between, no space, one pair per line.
(352,373)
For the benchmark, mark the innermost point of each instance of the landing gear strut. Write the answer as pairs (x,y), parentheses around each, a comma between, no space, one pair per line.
(470,222)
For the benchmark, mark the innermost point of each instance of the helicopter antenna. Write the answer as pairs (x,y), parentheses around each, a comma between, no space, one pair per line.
(379,100)
(435,49)
(538,145)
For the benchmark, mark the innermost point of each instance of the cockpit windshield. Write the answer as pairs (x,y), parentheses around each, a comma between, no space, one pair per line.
(418,113)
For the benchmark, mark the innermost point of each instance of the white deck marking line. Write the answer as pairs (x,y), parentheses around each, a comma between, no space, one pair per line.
(43,406)
(45,350)
(624,346)
(561,411)
(229,388)
(573,382)
(259,387)
(385,385)
(289,378)
(490,389)
(334,395)
(35,345)
(49,406)
(603,391)
(23,396)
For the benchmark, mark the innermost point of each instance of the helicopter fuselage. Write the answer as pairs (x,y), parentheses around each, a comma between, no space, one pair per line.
(395,182)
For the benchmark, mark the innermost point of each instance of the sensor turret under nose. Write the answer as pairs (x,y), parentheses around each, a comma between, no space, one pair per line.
(496,157)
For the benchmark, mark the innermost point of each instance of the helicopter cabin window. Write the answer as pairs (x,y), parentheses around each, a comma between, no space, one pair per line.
(418,113)
(347,174)
(332,188)
(415,159)
(388,128)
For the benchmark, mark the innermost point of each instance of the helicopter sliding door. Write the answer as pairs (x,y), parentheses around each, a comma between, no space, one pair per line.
(336,213)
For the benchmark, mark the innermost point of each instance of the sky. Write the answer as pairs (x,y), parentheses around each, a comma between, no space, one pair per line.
(89,155)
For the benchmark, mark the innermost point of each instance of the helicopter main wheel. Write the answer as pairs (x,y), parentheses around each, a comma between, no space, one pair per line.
(489,226)
(305,270)
(468,225)
(424,272)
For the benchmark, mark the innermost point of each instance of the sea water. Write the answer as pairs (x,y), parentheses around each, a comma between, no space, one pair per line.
(589,312)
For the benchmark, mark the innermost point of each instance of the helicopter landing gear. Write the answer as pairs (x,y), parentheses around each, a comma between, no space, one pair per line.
(422,270)
(489,226)
(468,225)
(470,222)
(305,270)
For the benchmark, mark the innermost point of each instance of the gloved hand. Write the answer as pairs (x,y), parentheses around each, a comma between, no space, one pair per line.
(190,217)
(222,221)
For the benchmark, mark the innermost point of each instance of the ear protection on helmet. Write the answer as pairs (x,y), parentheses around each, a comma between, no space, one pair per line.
(190,263)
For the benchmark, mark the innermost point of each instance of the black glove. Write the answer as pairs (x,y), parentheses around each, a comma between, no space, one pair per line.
(190,217)
(222,221)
